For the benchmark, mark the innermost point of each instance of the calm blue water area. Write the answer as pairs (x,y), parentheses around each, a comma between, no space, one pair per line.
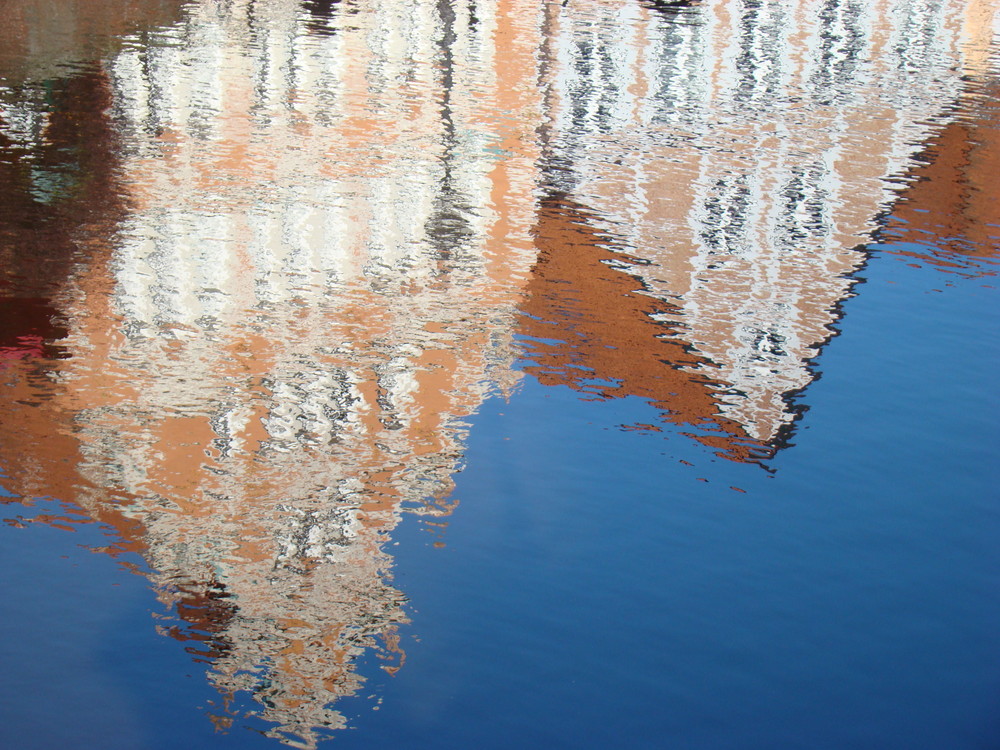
(594,591)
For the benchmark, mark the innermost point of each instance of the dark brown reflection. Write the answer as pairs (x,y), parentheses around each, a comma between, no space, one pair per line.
(206,609)
(41,39)
(57,188)
(594,328)
(949,213)
(29,327)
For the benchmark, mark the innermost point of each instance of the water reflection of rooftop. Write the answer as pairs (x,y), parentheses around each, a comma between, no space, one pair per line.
(743,152)
(592,325)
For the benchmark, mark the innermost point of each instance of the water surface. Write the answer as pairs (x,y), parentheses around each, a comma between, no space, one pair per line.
(447,375)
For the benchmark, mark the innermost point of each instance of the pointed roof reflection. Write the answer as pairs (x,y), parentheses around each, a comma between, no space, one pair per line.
(592,326)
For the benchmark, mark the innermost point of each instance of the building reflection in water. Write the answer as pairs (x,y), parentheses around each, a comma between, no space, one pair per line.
(742,153)
(261,262)
(948,216)
(301,278)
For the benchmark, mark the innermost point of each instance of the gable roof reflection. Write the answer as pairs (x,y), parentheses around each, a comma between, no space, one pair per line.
(745,159)
(592,326)
(253,436)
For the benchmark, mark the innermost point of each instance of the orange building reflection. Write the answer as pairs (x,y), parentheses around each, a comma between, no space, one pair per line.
(741,154)
(949,216)
(276,310)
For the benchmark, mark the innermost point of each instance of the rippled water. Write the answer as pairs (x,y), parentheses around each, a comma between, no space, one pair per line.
(448,372)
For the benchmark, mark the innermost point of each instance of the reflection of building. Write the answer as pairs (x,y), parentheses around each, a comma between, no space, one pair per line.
(267,357)
(949,215)
(743,151)
(297,271)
